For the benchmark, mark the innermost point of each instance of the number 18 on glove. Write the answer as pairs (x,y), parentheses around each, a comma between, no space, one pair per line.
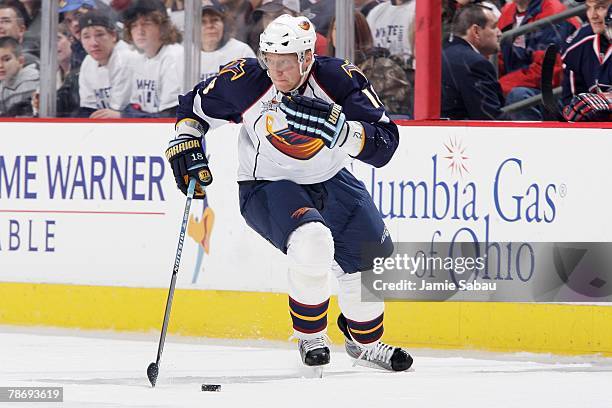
(188,160)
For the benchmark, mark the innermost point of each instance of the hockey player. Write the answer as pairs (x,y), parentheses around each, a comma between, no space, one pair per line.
(304,118)
(587,83)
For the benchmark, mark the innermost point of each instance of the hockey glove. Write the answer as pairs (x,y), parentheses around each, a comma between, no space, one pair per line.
(587,107)
(187,159)
(315,118)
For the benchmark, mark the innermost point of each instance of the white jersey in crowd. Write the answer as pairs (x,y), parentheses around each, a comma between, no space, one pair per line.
(393,28)
(232,50)
(108,86)
(157,81)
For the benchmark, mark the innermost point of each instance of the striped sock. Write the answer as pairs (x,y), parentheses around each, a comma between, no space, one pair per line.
(366,332)
(308,319)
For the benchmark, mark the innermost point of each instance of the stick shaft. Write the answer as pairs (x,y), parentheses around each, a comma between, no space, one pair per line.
(175,269)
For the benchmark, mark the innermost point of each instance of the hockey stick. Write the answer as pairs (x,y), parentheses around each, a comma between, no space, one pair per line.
(153,369)
(552,111)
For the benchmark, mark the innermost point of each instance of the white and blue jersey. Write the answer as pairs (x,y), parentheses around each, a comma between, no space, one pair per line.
(243,93)
(587,62)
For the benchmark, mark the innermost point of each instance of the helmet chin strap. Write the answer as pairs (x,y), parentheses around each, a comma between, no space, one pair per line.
(303,73)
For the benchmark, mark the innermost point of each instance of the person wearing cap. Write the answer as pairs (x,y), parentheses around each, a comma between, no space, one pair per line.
(106,73)
(217,47)
(158,68)
(70,12)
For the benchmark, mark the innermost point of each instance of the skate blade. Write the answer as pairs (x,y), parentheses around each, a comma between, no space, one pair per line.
(311,371)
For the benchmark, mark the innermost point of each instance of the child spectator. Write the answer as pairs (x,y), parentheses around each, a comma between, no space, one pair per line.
(158,70)
(17,82)
(106,73)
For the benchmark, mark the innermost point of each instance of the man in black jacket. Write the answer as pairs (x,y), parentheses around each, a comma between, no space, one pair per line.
(470,89)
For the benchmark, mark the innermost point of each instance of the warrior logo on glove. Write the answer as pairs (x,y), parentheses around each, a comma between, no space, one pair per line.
(188,160)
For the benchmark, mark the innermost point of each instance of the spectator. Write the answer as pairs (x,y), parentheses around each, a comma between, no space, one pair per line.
(70,13)
(106,72)
(268,11)
(392,25)
(319,12)
(521,59)
(13,19)
(158,70)
(238,16)
(450,7)
(365,6)
(470,89)
(17,82)
(587,83)
(386,76)
(217,48)
(68,76)
(31,39)
(585,69)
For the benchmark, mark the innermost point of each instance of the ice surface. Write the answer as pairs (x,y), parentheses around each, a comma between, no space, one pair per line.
(109,370)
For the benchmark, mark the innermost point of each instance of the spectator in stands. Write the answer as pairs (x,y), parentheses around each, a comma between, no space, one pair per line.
(106,72)
(450,7)
(587,82)
(13,18)
(392,26)
(158,69)
(70,13)
(17,82)
(319,12)
(365,6)
(67,104)
(217,47)
(31,39)
(268,11)
(521,59)
(386,76)
(470,89)
(238,16)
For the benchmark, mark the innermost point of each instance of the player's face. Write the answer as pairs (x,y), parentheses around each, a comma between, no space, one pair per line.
(9,64)
(64,52)
(10,24)
(146,34)
(596,13)
(212,31)
(284,70)
(489,36)
(98,42)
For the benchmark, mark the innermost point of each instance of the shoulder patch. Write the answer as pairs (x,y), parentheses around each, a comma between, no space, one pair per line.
(235,68)
(350,68)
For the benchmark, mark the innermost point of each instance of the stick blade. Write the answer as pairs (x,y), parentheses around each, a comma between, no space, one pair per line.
(152,372)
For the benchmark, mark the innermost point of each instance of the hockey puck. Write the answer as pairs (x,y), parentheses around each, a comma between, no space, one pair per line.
(211,387)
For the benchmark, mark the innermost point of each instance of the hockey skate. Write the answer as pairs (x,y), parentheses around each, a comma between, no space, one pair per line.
(379,356)
(314,351)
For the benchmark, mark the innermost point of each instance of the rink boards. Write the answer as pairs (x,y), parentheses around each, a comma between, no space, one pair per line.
(90,217)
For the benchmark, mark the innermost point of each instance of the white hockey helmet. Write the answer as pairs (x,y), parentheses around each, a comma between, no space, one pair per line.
(288,35)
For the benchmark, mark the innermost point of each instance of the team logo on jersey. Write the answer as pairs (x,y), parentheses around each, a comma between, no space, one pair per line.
(290,143)
(271,105)
(236,68)
(349,68)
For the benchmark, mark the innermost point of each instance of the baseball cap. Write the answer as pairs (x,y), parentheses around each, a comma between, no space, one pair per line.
(213,5)
(140,7)
(96,18)
(274,6)
(71,5)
